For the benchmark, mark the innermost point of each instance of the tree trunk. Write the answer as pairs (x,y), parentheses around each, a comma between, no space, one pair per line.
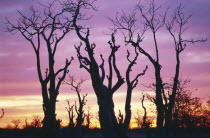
(123,131)
(128,108)
(80,120)
(49,121)
(159,99)
(104,93)
(173,95)
(107,117)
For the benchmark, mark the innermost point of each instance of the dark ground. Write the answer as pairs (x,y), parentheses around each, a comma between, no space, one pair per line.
(95,133)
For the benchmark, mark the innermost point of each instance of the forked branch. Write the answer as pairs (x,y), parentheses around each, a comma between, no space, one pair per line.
(180,20)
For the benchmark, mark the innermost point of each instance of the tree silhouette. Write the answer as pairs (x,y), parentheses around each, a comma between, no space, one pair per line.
(104,93)
(70,110)
(153,20)
(88,117)
(154,23)
(131,84)
(16,123)
(120,118)
(181,20)
(188,110)
(142,121)
(76,86)
(50,28)
(145,112)
(36,122)
(71,115)
(26,123)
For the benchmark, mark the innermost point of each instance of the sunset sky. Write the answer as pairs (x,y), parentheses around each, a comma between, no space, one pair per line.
(20,93)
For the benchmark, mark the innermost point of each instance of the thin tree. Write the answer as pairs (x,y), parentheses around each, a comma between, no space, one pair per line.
(131,84)
(76,86)
(88,117)
(179,20)
(127,23)
(16,123)
(145,112)
(45,29)
(36,122)
(26,123)
(71,115)
(120,118)
(70,110)
(146,122)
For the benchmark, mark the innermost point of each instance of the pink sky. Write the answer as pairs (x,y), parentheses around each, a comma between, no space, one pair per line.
(20,93)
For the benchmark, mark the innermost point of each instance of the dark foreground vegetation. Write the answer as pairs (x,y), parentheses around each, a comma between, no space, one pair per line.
(96,133)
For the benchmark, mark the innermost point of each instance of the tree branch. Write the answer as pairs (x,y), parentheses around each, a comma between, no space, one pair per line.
(65,71)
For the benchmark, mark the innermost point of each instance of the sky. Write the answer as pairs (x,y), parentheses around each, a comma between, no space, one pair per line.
(20,93)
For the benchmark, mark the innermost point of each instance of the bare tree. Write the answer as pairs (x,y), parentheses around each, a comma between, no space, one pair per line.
(76,86)
(26,123)
(51,28)
(131,84)
(104,93)
(179,20)
(188,111)
(142,121)
(146,121)
(36,122)
(70,110)
(153,20)
(120,118)
(88,117)
(145,112)
(71,115)
(16,123)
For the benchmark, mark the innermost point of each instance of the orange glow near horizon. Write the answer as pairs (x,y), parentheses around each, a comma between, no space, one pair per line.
(22,107)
